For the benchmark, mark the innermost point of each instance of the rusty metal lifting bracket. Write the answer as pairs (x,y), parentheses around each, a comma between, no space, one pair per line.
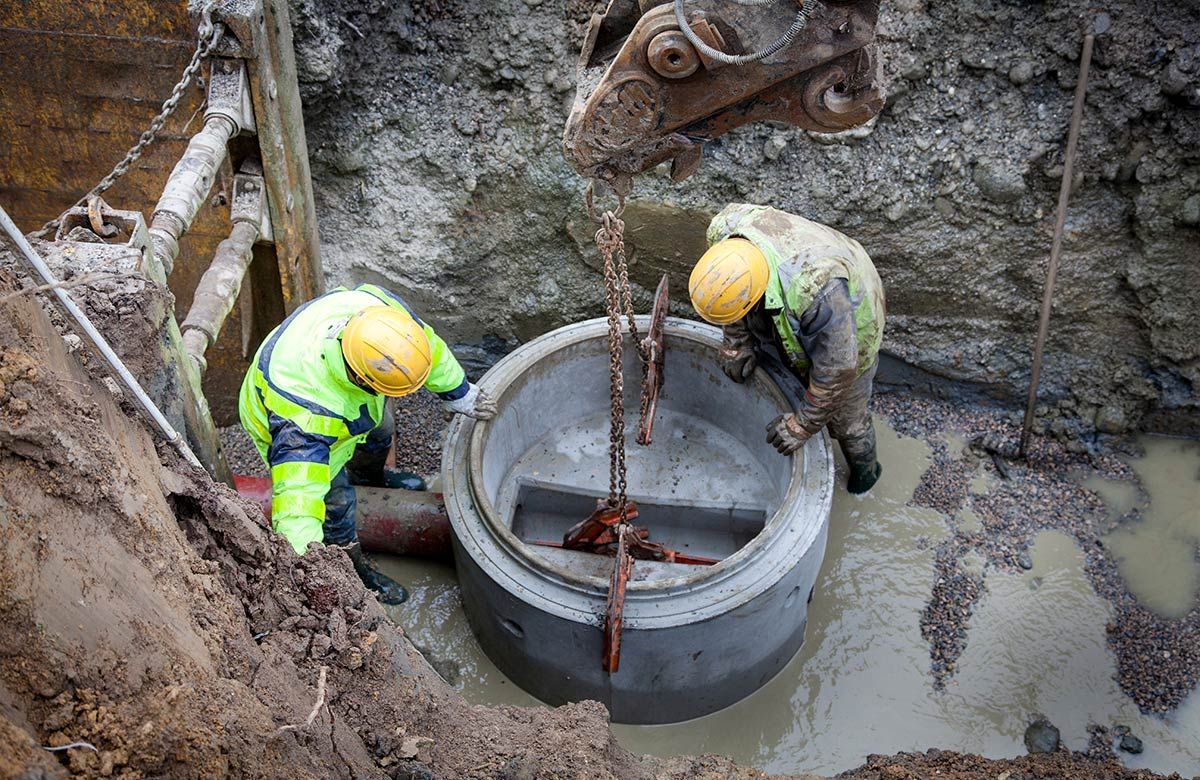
(646,95)
(652,380)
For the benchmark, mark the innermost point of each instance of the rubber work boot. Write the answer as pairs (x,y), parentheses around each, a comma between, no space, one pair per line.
(864,466)
(386,589)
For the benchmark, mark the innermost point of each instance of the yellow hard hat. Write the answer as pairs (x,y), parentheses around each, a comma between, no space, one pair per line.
(728,280)
(387,349)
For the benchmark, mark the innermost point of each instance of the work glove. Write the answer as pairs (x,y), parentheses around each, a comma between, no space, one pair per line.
(737,352)
(786,434)
(738,363)
(476,403)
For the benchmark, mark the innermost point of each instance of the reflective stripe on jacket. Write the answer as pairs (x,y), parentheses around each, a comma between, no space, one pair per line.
(304,414)
(804,256)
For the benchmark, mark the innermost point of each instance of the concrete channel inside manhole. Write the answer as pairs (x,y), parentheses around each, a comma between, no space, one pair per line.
(544,513)
(695,638)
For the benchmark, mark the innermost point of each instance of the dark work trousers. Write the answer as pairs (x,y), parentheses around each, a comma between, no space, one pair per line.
(341,503)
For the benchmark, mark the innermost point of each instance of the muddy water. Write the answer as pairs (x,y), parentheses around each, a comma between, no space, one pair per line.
(1157,547)
(861,682)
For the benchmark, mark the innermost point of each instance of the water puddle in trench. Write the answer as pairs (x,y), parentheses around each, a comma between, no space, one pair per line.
(1157,550)
(861,683)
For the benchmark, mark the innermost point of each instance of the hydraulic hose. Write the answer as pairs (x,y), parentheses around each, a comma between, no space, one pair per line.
(782,42)
(98,342)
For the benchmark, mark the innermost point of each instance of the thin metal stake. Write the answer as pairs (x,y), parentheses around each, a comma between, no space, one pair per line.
(1064,195)
(97,341)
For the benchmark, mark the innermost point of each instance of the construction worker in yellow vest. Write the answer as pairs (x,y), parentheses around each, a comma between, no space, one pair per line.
(772,279)
(314,402)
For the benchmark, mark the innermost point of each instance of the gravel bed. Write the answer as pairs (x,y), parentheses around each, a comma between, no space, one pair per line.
(240,452)
(1158,659)
(420,430)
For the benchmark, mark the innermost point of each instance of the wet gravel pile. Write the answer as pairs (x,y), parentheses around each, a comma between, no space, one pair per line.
(951,603)
(1158,659)
(944,486)
(948,765)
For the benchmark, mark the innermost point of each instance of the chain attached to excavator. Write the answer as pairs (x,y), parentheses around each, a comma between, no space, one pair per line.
(609,529)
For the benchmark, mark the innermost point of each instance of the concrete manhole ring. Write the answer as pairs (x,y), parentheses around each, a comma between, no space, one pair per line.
(695,638)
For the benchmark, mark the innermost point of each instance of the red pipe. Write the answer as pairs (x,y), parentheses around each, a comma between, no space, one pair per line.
(390,520)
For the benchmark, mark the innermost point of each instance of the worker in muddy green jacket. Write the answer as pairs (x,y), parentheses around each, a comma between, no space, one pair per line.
(317,392)
(774,279)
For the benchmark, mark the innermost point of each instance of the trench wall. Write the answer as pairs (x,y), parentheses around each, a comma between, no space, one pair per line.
(434,130)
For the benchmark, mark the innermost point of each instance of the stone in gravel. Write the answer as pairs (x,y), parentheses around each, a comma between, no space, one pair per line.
(1110,419)
(412,770)
(998,181)
(1131,744)
(1024,561)
(1189,212)
(1021,73)
(775,146)
(914,71)
(1041,737)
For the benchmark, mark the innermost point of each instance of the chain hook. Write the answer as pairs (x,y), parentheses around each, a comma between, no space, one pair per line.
(598,219)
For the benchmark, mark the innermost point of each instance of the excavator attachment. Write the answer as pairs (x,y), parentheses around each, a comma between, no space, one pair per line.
(646,93)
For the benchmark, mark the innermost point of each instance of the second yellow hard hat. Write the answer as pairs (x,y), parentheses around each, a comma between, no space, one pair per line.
(387,349)
(728,280)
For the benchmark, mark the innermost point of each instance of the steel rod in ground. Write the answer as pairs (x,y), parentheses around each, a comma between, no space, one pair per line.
(97,341)
(1064,196)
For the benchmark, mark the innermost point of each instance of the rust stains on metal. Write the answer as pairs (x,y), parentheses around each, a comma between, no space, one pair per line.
(646,95)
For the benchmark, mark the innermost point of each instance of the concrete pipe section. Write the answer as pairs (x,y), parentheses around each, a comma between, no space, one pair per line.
(695,638)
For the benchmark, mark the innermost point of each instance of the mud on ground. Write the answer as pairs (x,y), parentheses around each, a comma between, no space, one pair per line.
(1158,658)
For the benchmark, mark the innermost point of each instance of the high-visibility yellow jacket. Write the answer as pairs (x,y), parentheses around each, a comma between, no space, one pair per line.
(305,415)
(803,257)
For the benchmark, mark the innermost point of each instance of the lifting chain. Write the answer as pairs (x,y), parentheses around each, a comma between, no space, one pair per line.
(209,33)
(610,240)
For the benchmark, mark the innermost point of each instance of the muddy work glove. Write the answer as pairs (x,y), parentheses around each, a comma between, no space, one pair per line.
(786,434)
(737,352)
(476,403)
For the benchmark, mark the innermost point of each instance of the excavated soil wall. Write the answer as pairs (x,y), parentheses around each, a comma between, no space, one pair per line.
(434,129)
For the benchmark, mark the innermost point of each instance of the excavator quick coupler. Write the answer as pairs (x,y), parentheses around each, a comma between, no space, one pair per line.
(649,91)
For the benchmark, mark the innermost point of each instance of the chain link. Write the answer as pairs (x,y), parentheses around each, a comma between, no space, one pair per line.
(209,33)
(618,298)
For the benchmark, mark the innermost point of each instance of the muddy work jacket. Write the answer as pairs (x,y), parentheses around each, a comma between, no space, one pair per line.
(306,416)
(824,303)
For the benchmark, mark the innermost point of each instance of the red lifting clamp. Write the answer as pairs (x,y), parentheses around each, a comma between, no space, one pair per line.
(605,532)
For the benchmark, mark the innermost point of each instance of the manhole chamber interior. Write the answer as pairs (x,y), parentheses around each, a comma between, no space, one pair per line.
(695,638)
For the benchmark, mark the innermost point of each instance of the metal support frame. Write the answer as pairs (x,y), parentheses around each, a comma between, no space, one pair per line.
(222,282)
(260,32)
